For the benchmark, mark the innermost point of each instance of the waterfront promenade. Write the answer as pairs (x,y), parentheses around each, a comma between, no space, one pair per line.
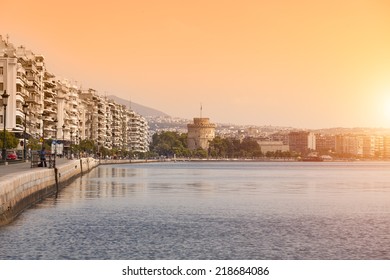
(23,167)
(22,186)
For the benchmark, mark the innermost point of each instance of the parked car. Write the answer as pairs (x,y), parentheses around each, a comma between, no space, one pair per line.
(12,155)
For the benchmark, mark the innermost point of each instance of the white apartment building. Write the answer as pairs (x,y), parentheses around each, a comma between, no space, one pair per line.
(8,66)
(363,145)
(59,109)
(273,146)
(138,137)
(95,116)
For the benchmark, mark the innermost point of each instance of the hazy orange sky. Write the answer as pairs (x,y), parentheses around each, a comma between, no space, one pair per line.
(306,64)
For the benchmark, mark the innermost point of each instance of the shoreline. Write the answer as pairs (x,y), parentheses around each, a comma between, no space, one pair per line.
(23,188)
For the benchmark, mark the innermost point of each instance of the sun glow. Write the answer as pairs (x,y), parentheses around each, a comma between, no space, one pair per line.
(386,110)
(385,107)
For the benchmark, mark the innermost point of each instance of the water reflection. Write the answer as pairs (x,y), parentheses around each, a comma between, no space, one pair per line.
(103,182)
(211,211)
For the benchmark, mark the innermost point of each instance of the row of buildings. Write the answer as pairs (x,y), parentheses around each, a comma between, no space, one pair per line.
(303,143)
(345,145)
(59,109)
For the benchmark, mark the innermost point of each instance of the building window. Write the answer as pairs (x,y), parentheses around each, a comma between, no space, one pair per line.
(1,70)
(1,119)
(1,87)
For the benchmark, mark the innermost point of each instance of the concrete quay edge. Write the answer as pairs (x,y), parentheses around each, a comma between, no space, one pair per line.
(21,190)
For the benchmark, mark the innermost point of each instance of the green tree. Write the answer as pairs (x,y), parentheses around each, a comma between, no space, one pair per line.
(104,151)
(250,148)
(230,147)
(219,147)
(87,145)
(11,140)
(168,143)
(199,153)
(270,154)
(34,144)
(286,154)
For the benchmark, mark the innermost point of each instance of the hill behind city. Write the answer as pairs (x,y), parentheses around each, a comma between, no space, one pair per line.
(138,108)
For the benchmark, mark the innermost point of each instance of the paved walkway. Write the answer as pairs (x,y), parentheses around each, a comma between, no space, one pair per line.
(24,166)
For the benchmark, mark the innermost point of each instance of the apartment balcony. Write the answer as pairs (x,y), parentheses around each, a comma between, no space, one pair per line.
(50,83)
(49,92)
(73,92)
(19,114)
(48,119)
(52,115)
(94,126)
(40,64)
(19,98)
(50,129)
(48,111)
(31,65)
(74,117)
(33,78)
(94,110)
(49,134)
(49,102)
(61,87)
(19,127)
(32,119)
(74,110)
(32,88)
(22,81)
(22,92)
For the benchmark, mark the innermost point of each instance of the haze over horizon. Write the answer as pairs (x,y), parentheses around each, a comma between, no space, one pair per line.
(304,64)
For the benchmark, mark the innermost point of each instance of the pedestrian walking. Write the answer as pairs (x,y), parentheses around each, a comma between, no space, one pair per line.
(43,157)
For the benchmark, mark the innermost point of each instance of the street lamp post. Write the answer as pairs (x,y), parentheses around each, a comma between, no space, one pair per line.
(25,105)
(77,142)
(55,143)
(5,102)
(63,140)
(71,136)
(43,131)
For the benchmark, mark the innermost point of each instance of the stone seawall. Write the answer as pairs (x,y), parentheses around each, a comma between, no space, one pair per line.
(22,190)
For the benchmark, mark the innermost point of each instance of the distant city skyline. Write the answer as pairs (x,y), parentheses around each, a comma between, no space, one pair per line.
(303,64)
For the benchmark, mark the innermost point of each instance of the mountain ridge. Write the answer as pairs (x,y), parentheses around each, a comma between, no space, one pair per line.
(138,108)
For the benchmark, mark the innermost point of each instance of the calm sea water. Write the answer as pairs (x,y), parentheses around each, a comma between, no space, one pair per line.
(211,210)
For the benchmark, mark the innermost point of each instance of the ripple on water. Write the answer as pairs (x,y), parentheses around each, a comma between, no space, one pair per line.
(211,211)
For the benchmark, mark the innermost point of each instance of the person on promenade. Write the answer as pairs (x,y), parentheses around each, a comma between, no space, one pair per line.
(43,157)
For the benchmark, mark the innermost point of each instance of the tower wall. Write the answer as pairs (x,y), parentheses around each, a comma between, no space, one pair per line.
(200,133)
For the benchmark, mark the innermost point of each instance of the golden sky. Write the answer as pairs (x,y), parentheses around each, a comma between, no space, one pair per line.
(306,64)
